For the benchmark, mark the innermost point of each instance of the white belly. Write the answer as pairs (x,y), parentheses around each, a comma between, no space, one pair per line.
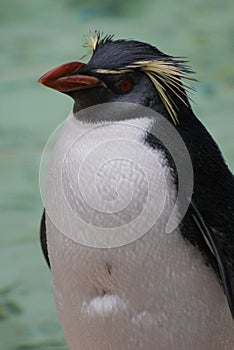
(152,291)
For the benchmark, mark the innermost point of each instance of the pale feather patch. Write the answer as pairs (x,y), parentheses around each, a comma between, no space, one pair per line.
(104,305)
(92,41)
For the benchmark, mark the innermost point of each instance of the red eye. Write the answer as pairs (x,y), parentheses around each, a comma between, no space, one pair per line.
(125,85)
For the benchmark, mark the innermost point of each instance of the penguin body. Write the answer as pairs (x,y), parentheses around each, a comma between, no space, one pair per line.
(153,293)
(158,291)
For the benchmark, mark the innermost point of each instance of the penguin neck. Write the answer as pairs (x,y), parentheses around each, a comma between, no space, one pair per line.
(114,112)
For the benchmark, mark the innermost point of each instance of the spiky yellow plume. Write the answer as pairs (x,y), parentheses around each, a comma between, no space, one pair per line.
(164,75)
(93,40)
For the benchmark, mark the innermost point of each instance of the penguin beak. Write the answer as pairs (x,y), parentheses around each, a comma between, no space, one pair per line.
(66,78)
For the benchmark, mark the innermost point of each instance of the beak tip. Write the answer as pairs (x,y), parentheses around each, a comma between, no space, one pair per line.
(42,80)
(51,76)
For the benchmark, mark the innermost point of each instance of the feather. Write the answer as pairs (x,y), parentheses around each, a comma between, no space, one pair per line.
(92,41)
(166,76)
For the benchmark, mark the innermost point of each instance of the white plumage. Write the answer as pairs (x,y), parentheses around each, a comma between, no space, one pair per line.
(155,292)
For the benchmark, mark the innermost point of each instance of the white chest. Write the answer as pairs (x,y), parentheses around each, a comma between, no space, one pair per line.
(119,281)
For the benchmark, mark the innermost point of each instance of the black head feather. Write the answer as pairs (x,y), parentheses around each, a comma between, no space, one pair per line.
(116,54)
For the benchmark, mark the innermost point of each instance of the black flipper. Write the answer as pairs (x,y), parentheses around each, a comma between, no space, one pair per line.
(43,238)
(223,268)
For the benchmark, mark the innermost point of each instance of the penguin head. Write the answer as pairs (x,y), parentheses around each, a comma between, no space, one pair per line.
(124,71)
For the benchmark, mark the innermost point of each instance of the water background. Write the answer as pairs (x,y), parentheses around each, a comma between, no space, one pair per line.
(38,35)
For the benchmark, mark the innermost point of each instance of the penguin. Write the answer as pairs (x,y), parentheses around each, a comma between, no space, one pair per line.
(159,291)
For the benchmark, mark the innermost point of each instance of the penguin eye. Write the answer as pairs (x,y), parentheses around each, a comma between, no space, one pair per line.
(125,85)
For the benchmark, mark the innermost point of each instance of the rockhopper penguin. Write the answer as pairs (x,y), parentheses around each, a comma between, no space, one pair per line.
(161,291)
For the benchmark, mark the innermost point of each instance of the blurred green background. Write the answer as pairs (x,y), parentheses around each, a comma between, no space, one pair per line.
(38,35)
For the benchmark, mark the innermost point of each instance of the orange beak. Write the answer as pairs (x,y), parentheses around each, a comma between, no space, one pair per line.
(65,78)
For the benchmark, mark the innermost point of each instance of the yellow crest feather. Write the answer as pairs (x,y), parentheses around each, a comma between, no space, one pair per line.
(92,41)
(165,73)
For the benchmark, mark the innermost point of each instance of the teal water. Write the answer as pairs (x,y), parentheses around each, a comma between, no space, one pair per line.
(38,35)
